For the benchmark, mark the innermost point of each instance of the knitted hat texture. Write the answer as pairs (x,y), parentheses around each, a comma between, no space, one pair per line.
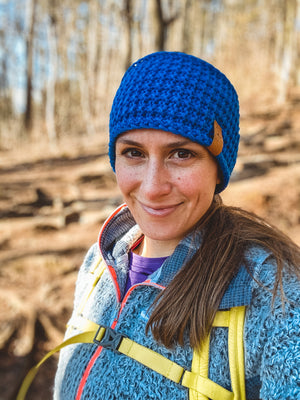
(182,94)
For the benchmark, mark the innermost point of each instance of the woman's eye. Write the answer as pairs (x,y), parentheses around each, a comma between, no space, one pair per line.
(132,153)
(182,154)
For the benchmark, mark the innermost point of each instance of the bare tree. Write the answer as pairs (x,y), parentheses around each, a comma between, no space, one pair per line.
(160,24)
(287,62)
(188,27)
(51,80)
(128,16)
(88,65)
(76,50)
(6,109)
(31,10)
(93,54)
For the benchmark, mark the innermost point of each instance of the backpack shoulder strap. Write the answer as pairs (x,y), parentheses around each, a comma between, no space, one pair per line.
(233,319)
(96,270)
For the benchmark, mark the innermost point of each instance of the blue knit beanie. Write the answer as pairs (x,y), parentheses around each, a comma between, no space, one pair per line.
(182,94)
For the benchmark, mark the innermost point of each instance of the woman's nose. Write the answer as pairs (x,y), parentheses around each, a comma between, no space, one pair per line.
(156,180)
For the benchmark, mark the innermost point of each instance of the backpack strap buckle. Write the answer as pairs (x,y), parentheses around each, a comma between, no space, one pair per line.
(108,338)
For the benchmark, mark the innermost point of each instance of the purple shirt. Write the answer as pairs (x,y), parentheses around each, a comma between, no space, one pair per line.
(141,267)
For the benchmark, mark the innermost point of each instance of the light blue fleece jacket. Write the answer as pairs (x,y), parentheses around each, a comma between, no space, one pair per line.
(271,336)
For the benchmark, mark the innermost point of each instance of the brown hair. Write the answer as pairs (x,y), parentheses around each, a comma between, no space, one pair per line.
(204,280)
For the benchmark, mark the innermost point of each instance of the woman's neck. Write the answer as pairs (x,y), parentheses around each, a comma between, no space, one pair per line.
(155,248)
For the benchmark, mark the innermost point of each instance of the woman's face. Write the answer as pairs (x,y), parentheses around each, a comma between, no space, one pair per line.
(168,183)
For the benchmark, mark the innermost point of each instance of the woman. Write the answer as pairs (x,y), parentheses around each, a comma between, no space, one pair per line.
(176,259)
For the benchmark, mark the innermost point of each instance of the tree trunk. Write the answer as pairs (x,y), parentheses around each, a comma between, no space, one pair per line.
(288,51)
(93,51)
(160,34)
(31,8)
(188,27)
(51,80)
(128,14)
(160,24)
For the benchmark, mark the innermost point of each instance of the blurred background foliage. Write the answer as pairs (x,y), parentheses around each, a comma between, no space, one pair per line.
(61,61)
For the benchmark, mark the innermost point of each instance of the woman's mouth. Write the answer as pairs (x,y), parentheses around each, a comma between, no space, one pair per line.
(160,210)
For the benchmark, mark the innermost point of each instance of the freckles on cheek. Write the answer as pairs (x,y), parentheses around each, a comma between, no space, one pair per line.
(125,179)
(186,181)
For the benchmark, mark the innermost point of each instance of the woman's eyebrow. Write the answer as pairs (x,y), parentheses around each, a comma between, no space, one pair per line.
(179,143)
(166,145)
(128,141)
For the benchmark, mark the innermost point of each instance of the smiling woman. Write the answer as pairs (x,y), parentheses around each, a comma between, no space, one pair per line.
(182,297)
(168,183)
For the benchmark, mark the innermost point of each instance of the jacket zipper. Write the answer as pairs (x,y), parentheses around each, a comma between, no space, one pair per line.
(120,307)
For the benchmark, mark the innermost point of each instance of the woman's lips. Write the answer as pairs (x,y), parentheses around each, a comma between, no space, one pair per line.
(159,211)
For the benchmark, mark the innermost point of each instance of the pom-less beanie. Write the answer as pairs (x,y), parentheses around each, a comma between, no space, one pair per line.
(182,94)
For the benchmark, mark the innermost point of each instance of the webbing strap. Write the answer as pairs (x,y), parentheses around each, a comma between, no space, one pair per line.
(85,337)
(206,387)
(234,320)
(236,352)
(197,380)
(168,368)
(200,364)
(79,322)
(88,327)
(97,270)
(152,360)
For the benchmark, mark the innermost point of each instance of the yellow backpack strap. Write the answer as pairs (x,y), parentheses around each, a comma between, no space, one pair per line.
(236,352)
(85,337)
(200,364)
(97,270)
(196,381)
(110,339)
(89,329)
(234,320)
(160,364)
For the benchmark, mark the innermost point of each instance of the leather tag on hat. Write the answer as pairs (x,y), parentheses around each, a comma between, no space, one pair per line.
(217,144)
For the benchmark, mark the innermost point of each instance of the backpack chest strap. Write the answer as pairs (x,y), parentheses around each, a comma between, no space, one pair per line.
(110,339)
(197,381)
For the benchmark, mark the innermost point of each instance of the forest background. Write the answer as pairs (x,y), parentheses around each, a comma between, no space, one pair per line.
(60,64)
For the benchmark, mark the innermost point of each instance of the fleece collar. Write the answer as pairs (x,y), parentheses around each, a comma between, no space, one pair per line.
(120,232)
